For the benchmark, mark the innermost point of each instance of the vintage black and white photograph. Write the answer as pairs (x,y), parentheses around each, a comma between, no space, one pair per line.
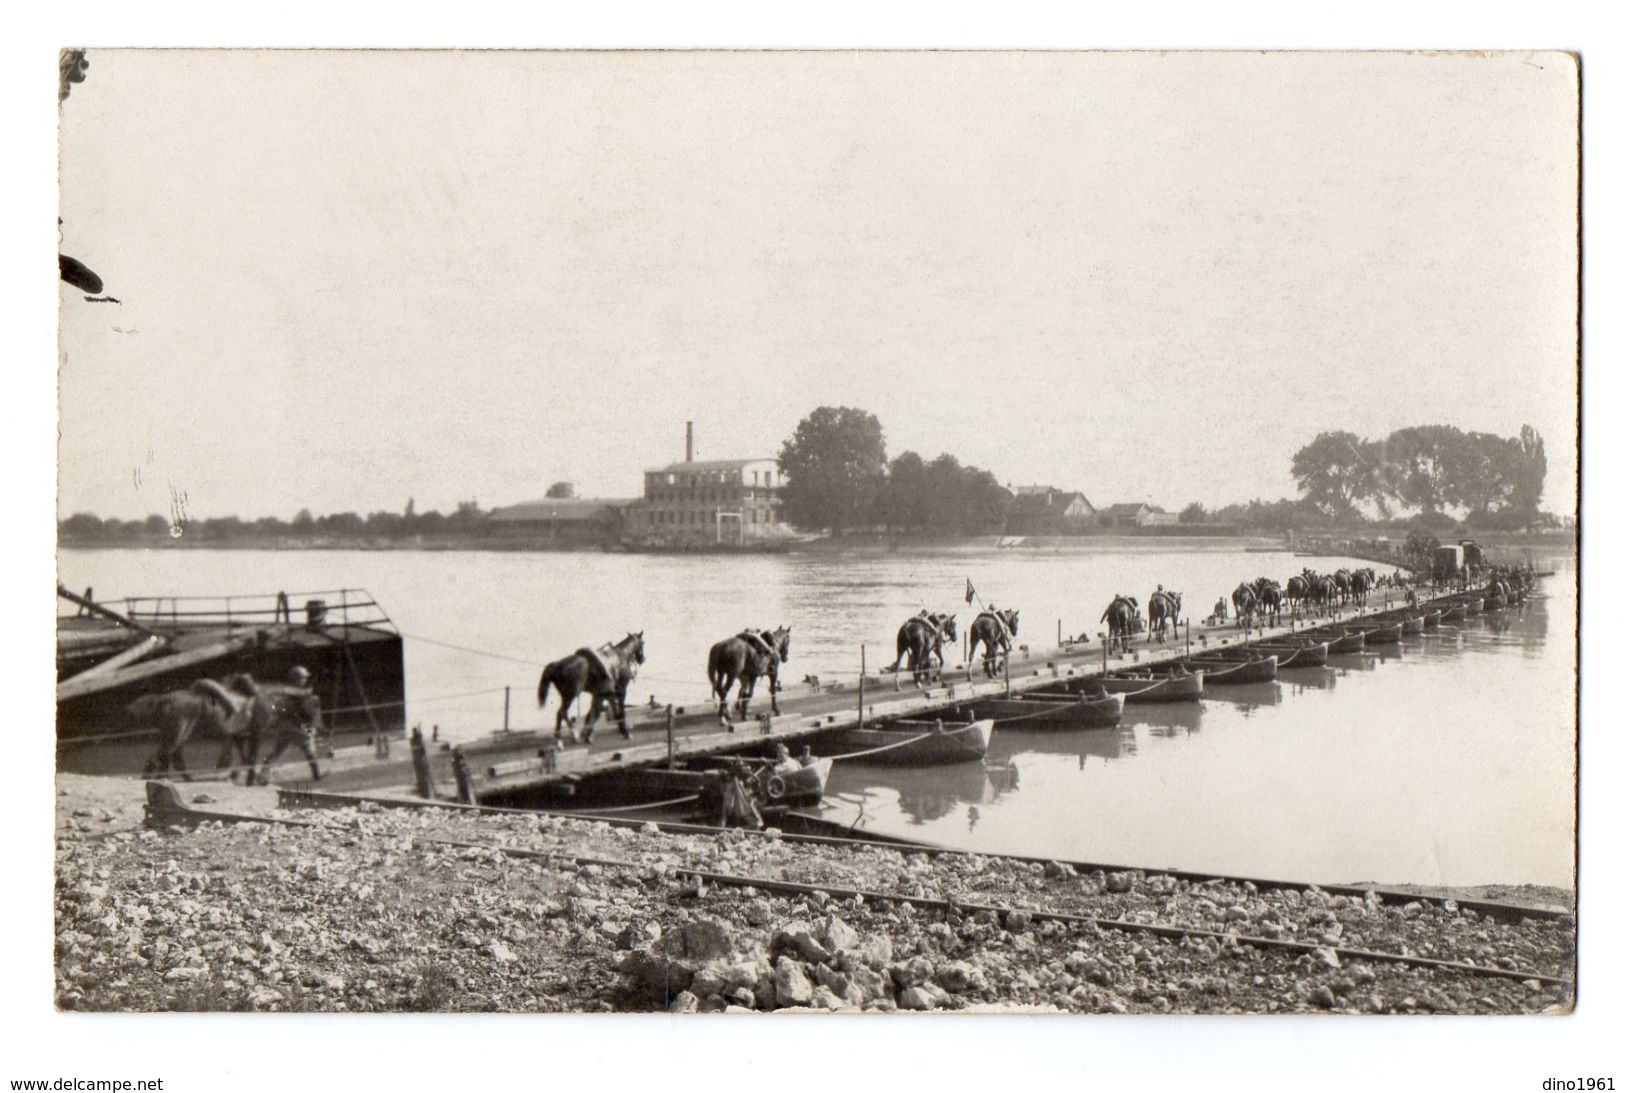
(878,532)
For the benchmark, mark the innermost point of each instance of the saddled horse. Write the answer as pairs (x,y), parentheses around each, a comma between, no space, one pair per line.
(1119,617)
(746,657)
(604,673)
(1267,595)
(921,638)
(233,711)
(1326,593)
(1161,609)
(1245,602)
(1344,581)
(1297,592)
(1360,585)
(993,629)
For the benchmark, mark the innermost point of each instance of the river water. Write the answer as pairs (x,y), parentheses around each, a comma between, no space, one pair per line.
(1448,761)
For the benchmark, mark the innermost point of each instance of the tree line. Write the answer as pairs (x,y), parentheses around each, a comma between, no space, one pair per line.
(1437,473)
(468,518)
(837,477)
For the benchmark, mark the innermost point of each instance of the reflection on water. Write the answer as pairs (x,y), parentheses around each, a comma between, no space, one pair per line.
(1447,760)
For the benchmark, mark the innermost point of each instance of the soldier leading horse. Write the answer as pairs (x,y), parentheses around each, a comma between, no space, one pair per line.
(604,673)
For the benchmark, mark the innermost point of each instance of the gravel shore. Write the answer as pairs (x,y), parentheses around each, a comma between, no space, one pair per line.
(374,910)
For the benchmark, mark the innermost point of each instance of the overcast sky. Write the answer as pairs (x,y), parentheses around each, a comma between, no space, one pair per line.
(352,278)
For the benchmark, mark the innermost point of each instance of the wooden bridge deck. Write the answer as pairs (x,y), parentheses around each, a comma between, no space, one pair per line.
(505,761)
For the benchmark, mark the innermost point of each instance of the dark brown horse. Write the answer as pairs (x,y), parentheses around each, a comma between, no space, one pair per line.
(1267,596)
(921,638)
(1161,609)
(1246,603)
(604,673)
(233,711)
(746,657)
(1297,591)
(1119,619)
(993,630)
(1360,584)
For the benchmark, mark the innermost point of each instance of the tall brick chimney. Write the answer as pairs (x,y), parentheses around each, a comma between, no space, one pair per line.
(688,444)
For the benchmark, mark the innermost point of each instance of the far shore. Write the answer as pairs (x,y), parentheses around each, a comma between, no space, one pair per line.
(1562,542)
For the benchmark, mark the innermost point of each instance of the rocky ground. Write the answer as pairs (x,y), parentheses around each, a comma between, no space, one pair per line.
(376,910)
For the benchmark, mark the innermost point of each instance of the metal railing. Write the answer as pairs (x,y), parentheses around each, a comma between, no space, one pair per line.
(341,607)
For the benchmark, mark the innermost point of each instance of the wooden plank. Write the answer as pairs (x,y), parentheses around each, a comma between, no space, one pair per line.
(79,686)
(114,663)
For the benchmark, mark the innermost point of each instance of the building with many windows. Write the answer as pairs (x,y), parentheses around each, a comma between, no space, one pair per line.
(723,502)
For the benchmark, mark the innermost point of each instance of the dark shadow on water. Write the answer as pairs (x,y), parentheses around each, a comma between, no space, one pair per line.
(1247,697)
(1296,680)
(925,794)
(1099,744)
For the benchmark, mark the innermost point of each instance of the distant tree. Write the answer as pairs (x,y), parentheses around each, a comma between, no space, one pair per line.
(81,525)
(834,466)
(156,525)
(902,501)
(1420,463)
(1193,513)
(304,523)
(562,490)
(411,508)
(1530,483)
(385,525)
(346,524)
(1336,471)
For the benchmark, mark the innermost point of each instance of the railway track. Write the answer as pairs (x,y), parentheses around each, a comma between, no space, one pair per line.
(165,808)
(1498,910)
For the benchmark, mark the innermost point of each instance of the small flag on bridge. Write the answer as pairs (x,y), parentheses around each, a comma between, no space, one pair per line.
(970,591)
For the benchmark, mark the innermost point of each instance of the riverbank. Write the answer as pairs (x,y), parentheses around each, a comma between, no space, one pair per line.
(431,910)
(1177,537)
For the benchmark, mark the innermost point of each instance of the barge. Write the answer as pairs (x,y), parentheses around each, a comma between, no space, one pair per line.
(111,653)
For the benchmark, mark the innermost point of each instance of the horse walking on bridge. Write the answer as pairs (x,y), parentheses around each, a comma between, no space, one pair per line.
(1267,596)
(1119,617)
(994,630)
(745,658)
(921,638)
(604,673)
(1246,602)
(1161,609)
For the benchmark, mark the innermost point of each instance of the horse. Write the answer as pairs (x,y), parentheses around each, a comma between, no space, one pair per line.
(747,657)
(1360,584)
(604,673)
(1297,591)
(993,629)
(1162,608)
(1344,582)
(1246,602)
(1119,618)
(1267,596)
(920,638)
(233,711)
(1326,593)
